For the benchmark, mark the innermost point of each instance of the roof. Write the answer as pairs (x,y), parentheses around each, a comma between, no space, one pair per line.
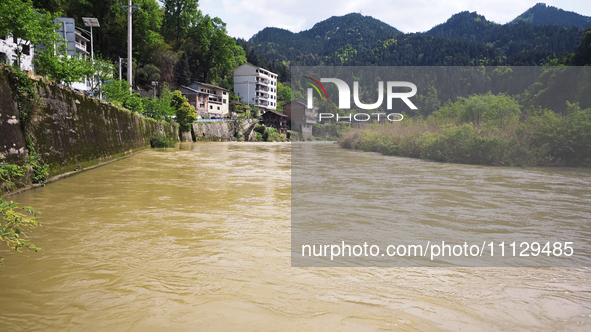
(193,90)
(257,67)
(301,102)
(275,112)
(211,86)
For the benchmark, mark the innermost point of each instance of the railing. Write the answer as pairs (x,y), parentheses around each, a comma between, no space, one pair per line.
(80,46)
(214,120)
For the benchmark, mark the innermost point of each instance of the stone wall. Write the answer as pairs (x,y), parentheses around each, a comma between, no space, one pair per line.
(223,131)
(70,129)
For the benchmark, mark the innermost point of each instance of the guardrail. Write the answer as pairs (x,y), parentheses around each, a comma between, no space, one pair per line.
(214,120)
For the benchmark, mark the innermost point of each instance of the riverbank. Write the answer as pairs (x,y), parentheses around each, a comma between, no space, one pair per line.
(536,138)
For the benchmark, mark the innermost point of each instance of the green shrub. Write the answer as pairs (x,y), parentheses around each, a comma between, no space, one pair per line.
(161,141)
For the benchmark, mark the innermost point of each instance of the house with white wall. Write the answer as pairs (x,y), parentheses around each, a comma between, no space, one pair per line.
(9,48)
(256,86)
(218,98)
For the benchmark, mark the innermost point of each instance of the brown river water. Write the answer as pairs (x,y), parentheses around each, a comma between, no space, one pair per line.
(198,239)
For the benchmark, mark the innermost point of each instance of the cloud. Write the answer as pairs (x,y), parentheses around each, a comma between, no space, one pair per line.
(244,18)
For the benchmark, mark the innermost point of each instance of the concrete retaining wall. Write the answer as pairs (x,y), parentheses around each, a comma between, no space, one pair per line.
(70,129)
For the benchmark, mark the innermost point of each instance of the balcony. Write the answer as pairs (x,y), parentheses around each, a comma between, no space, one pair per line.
(261,103)
(310,120)
(262,81)
(262,88)
(81,47)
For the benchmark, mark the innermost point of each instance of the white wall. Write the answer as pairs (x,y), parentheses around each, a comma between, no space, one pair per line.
(8,47)
(247,73)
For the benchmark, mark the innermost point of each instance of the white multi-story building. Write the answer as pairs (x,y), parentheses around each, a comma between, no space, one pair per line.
(76,46)
(9,47)
(256,86)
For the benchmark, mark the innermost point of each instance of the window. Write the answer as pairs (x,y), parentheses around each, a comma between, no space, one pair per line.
(14,39)
(201,105)
(26,50)
(224,101)
(210,107)
(218,108)
(224,93)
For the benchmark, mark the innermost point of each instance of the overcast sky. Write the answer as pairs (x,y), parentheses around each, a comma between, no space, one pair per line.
(244,18)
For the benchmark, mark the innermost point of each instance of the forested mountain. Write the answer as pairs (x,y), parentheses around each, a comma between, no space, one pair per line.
(324,39)
(510,39)
(465,39)
(541,14)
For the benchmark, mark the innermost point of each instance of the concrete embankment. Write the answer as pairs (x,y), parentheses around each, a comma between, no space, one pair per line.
(70,129)
(221,131)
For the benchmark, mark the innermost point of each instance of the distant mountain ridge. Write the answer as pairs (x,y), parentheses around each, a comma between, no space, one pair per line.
(324,37)
(542,14)
(467,38)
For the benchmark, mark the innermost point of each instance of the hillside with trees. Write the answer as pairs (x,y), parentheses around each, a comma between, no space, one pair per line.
(465,39)
(542,14)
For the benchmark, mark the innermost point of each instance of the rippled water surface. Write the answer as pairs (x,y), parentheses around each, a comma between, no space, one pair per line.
(198,238)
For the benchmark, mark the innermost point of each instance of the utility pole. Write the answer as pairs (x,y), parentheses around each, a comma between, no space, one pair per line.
(130,9)
(154,85)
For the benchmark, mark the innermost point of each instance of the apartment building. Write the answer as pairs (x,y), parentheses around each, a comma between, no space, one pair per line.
(256,86)
(77,46)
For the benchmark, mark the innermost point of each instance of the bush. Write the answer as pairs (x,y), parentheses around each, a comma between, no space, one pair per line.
(13,224)
(160,141)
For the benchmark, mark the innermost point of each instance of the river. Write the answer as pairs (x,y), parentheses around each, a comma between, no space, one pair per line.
(198,238)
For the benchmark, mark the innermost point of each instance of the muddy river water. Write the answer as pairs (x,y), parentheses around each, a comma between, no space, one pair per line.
(198,239)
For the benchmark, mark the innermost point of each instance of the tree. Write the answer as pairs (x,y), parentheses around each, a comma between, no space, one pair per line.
(180,16)
(583,55)
(21,21)
(54,63)
(217,54)
(283,95)
(185,113)
(13,224)
(182,72)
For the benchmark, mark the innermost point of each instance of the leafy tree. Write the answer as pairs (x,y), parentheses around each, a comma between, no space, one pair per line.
(217,54)
(160,108)
(185,113)
(583,55)
(21,21)
(182,72)
(283,95)
(180,16)
(13,224)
